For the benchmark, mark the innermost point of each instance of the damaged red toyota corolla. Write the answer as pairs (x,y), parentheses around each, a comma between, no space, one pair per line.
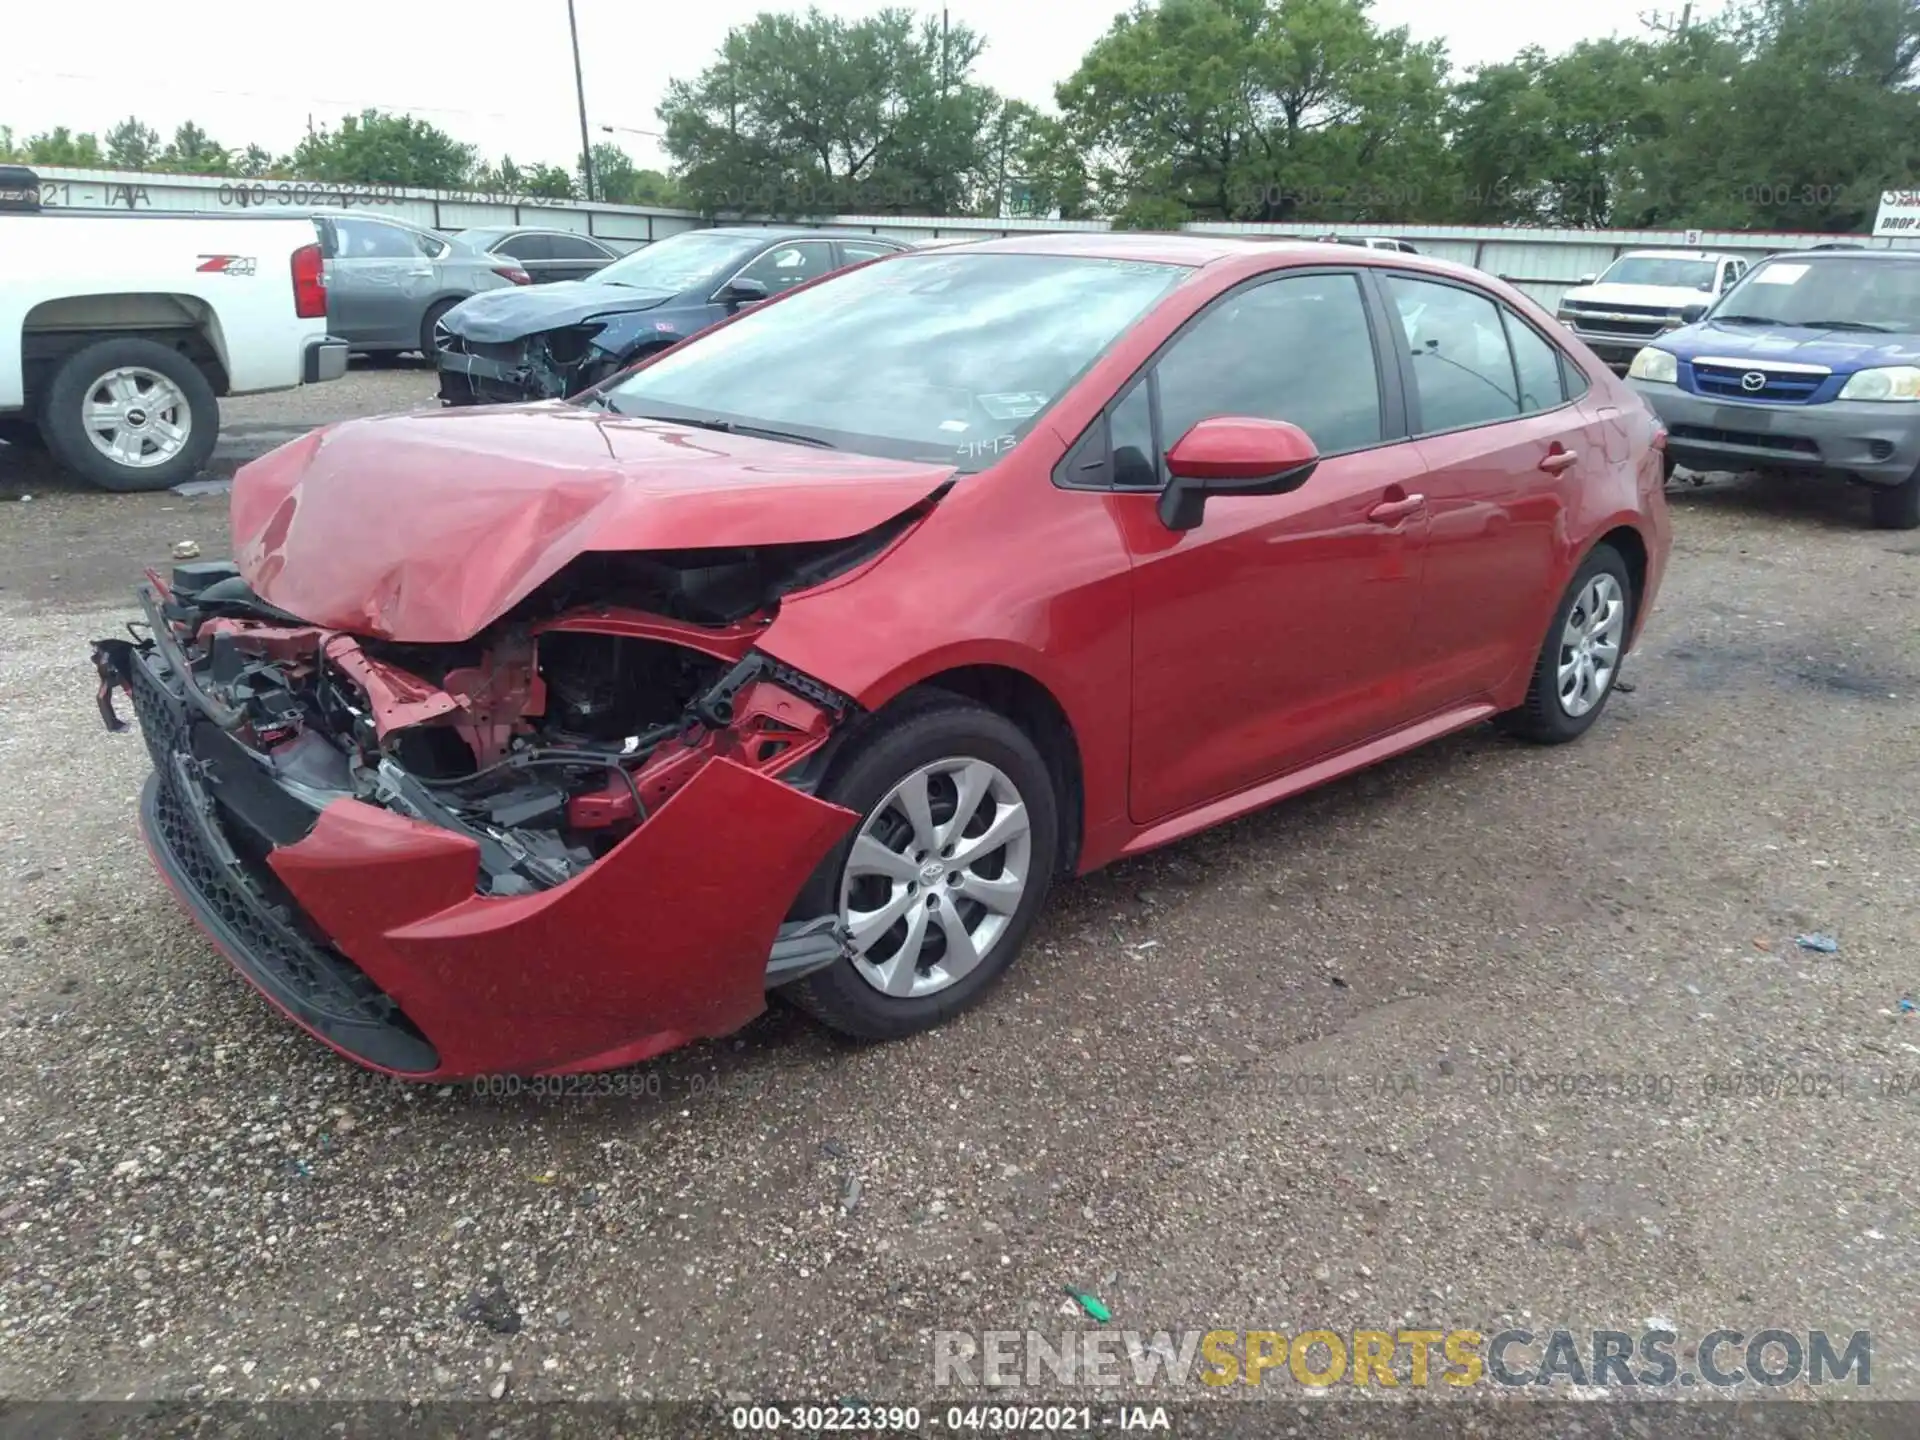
(807,655)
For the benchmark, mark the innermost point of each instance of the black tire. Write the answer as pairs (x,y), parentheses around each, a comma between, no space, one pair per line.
(432,318)
(928,727)
(1897,507)
(1541,717)
(62,415)
(22,432)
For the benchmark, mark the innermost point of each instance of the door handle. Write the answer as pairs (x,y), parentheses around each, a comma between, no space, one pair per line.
(1389,512)
(1559,461)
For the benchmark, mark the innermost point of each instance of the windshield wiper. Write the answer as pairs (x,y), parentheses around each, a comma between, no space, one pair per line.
(734,427)
(1743,320)
(1847,325)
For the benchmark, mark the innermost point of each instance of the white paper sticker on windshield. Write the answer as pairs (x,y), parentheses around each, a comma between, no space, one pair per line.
(955,425)
(1779,274)
(1018,406)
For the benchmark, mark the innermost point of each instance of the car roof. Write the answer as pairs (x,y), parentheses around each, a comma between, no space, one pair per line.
(523,230)
(1678,255)
(788,232)
(1198,251)
(1845,252)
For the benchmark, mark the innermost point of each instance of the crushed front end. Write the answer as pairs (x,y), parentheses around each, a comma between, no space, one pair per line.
(547,365)
(567,844)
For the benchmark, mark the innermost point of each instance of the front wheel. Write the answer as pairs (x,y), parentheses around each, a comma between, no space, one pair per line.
(1580,659)
(941,880)
(130,415)
(1897,507)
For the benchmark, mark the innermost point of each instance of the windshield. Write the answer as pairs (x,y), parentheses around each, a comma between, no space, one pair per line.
(1660,270)
(947,357)
(1849,294)
(680,262)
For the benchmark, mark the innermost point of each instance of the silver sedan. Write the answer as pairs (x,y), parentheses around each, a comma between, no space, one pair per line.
(388,284)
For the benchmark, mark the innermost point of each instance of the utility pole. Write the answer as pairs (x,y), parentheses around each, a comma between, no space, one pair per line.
(1000,187)
(580,92)
(943,52)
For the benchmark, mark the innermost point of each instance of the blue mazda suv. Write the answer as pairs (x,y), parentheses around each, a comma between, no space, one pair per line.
(1810,364)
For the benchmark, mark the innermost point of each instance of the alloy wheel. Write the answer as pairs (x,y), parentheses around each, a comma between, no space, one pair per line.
(936,874)
(137,417)
(1590,645)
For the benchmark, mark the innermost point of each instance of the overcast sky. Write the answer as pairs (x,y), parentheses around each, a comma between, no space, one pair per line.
(500,75)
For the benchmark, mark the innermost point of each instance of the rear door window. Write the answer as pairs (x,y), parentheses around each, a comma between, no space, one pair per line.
(371,240)
(854,251)
(525,247)
(1463,368)
(576,247)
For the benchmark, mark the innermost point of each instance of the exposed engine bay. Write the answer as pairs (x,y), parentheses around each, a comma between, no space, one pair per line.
(546,739)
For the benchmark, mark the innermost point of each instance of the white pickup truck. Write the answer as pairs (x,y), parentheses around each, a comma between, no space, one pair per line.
(1643,295)
(118,333)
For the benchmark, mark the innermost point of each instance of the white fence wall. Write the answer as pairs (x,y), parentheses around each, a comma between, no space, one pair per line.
(1543,263)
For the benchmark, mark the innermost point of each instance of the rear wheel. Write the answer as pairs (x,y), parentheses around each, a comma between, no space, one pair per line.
(1897,507)
(130,415)
(1580,659)
(430,325)
(941,880)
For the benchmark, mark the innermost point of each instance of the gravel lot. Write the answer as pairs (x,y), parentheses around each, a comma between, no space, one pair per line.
(1242,1083)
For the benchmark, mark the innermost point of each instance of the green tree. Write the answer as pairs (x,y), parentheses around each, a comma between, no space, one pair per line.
(618,181)
(811,114)
(132,145)
(549,182)
(194,152)
(60,146)
(376,148)
(254,163)
(1813,111)
(1259,109)
(1557,140)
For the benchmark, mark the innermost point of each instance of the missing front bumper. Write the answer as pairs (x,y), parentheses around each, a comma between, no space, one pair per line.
(363,926)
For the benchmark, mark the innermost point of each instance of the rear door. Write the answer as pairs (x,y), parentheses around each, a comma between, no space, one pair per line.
(1504,449)
(376,282)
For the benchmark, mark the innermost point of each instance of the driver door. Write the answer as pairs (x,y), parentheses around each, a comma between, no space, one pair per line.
(1275,633)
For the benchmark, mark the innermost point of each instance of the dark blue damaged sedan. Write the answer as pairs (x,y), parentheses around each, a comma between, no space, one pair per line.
(546,342)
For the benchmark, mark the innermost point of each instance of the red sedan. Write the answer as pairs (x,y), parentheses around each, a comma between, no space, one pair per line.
(810,654)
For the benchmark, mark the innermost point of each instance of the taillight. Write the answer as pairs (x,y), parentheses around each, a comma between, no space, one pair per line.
(309,283)
(513,273)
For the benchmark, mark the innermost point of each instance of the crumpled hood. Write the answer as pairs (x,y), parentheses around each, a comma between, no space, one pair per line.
(1665,297)
(494,316)
(426,527)
(1841,351)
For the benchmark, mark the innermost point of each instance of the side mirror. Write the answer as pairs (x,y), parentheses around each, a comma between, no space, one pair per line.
(1233,455)
(743,292)
(1586,279)
(1692,313)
